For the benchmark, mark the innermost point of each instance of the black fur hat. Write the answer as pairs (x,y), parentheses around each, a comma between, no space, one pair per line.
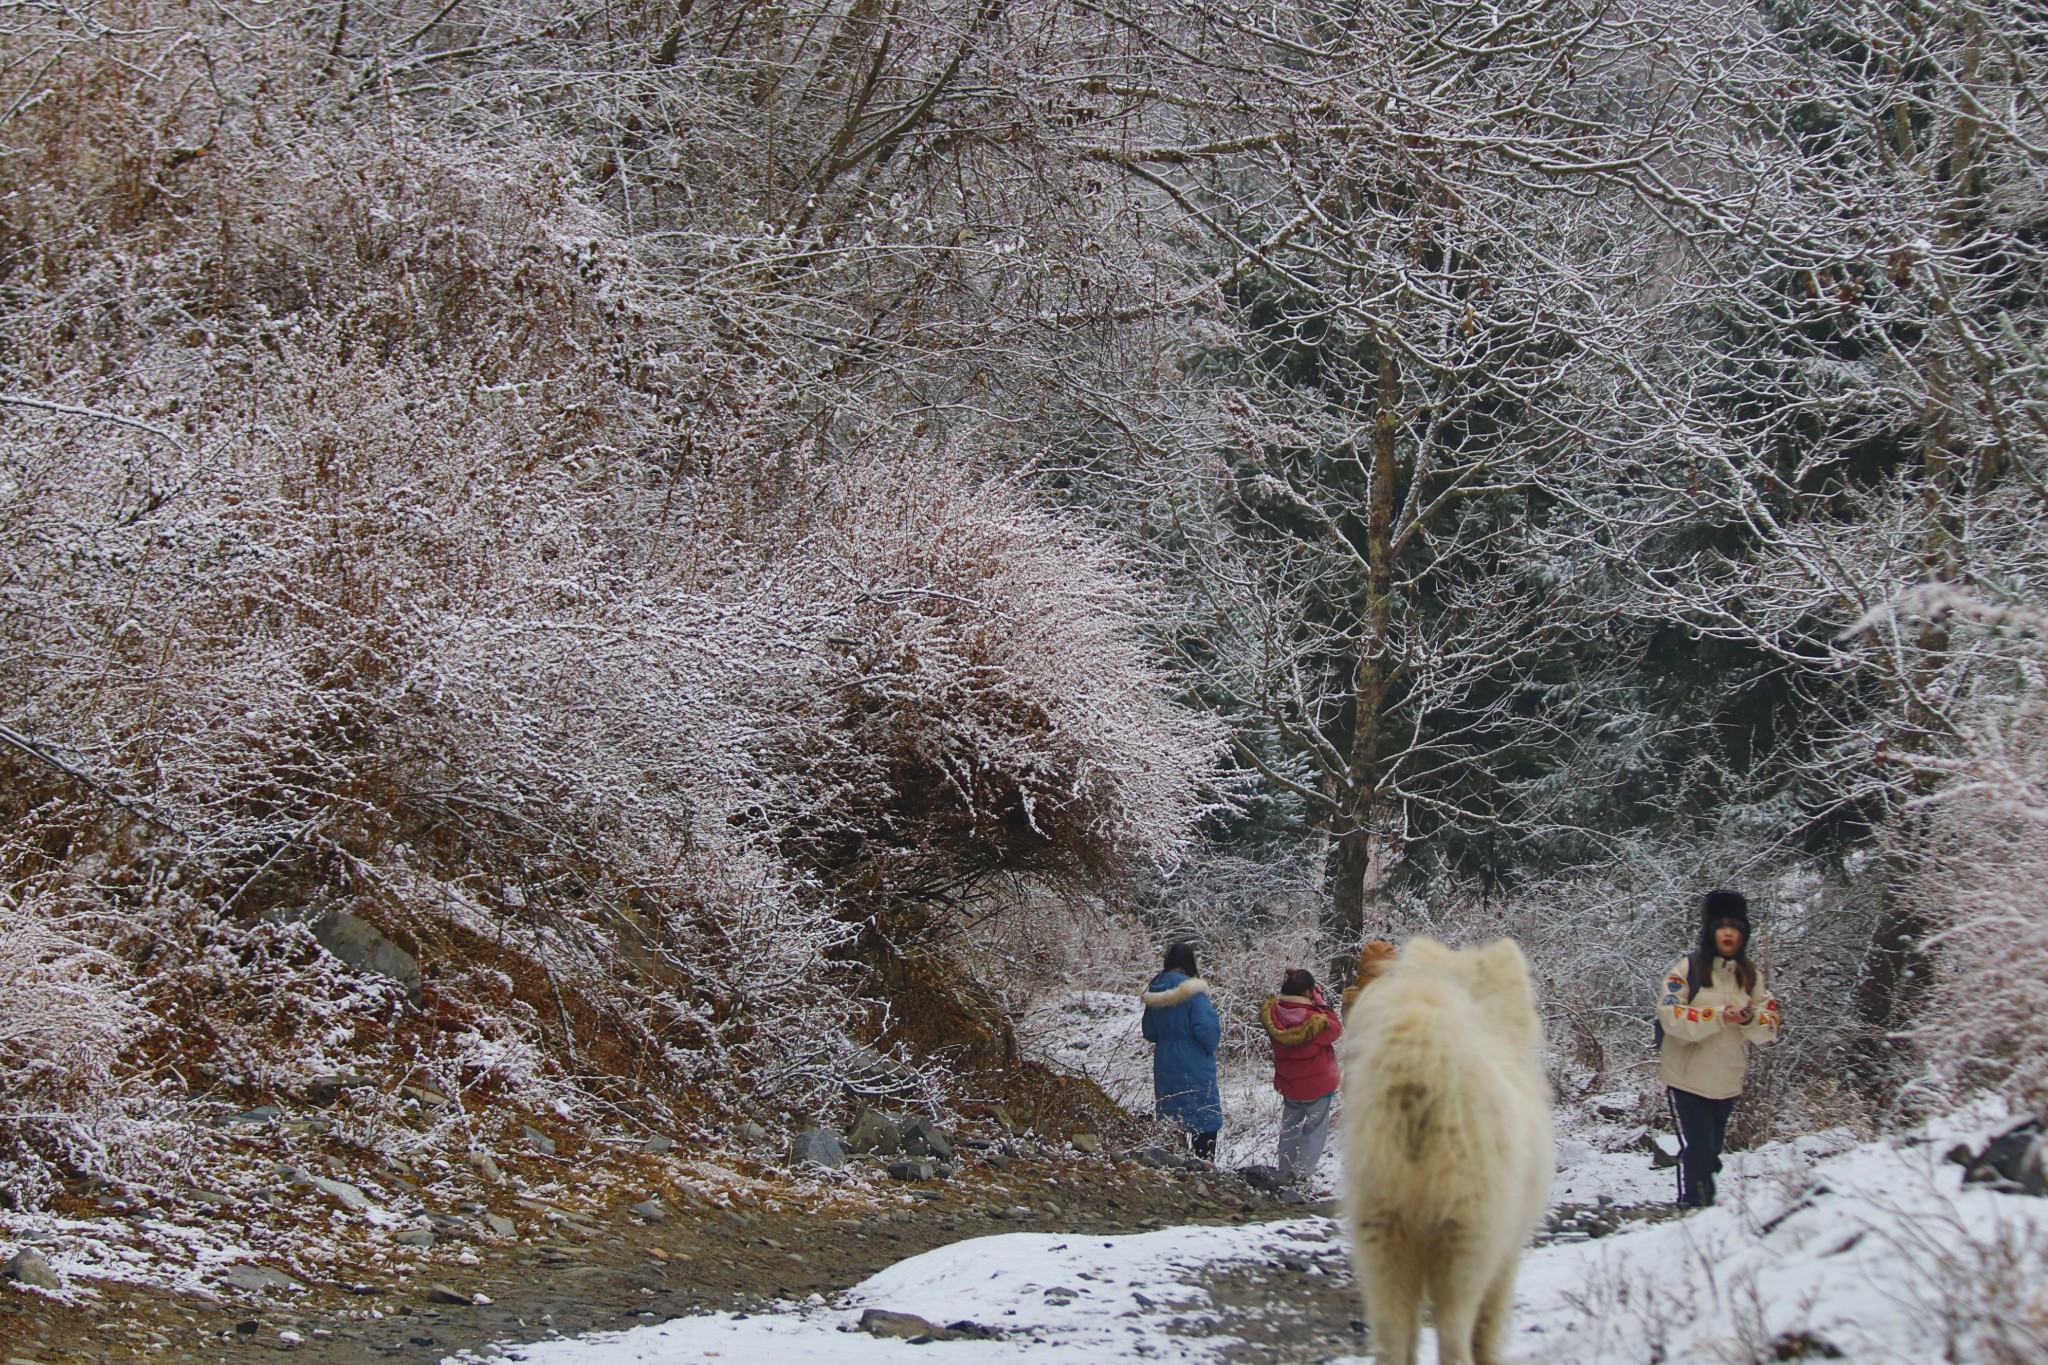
(1724,907)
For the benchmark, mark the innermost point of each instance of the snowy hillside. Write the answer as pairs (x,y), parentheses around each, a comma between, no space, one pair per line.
(1875,1253)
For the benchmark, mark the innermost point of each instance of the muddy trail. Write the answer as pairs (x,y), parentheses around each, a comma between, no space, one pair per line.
(630,1270)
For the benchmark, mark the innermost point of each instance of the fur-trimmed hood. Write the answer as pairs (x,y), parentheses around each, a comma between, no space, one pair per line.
(1188,989)
(1292,1020)
(1304,1030)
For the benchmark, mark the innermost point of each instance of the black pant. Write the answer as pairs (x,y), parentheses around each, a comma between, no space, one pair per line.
(1702,1129)
(1204,1145)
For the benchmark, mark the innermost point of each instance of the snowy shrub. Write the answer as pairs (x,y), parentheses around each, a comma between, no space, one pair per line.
(66,1017)
(378,536)
(1974,856)
(990,683)
(1983,872)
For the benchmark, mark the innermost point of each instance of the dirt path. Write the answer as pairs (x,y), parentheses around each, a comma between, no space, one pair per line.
(1296,1308)
(630,1272)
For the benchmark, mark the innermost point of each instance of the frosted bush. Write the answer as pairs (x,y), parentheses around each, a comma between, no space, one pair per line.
(66,1015)
(1986,879)
(379,536)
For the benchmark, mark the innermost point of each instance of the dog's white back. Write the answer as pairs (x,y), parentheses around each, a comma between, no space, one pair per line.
(1447,1145)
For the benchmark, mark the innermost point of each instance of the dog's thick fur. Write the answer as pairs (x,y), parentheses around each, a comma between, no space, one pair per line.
(1447,1146)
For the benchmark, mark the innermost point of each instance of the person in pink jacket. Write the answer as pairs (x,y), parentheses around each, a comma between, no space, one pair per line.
(1303,1028)
(1713,1009)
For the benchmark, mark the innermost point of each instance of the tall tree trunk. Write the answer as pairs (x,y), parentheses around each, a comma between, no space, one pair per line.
(1361,856)
(1896,973)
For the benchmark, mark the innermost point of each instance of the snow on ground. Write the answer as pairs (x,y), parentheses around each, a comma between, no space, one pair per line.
(1060,1299)
(1879,1251)
(1875,1249)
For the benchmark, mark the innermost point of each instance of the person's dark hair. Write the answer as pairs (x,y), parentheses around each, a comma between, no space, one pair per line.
(1724,907)
(1181,958)
(1298,981)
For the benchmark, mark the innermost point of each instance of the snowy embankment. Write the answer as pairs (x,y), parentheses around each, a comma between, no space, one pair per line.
(1876,1253)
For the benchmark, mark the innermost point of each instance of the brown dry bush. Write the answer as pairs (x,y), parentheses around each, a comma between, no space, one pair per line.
(375,538)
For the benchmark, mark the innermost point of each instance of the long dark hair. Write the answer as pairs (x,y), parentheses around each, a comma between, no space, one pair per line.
(1181,958)
(1702,964)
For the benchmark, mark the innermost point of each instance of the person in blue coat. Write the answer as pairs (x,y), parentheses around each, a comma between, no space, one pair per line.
(1181,1024)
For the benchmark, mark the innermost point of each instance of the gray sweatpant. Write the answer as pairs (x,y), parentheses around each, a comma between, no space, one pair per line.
(1304,1128)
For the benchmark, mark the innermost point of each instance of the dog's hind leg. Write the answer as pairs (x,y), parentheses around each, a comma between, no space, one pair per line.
(1392,1283)
(1490,1333)
(1457,1312)
(1456,1299)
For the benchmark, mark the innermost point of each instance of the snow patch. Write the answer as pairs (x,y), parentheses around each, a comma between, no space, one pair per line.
(1876,1250)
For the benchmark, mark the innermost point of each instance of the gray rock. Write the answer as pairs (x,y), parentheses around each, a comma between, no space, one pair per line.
(212,1199)
(657,1145)
(441,1293)
(416,1237)
(486,1165)
(257,1278)
(2014,1161)
(999,1160)
(357,943)
(347,1195)
(426,1096)
(501,1225)
(1263,1178)
(1618,1106)
(880,1322)
(325,1090)
(751,1131)
(921,1137)
(262,1113)
(651,1210)
(1087,1143)
(874,1132)
(448,1225)
(817,1147)
(536,1139)
(28,1267)
(910,1168)
(1663,1151)
(866,1063)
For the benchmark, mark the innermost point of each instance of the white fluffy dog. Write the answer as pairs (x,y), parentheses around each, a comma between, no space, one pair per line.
(1447,1147)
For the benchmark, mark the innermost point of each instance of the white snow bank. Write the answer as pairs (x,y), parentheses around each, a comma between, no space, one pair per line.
(1875,1249)
(1879,1251)
(1062,1300)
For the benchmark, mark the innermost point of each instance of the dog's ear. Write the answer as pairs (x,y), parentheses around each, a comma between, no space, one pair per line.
(1501,981)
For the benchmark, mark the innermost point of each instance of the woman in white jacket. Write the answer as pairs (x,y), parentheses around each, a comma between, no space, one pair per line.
(1714,1008)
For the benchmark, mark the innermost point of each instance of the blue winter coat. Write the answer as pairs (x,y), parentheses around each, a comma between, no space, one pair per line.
(1181,1025)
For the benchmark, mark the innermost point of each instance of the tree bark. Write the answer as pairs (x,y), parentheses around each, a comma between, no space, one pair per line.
(1361,855)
